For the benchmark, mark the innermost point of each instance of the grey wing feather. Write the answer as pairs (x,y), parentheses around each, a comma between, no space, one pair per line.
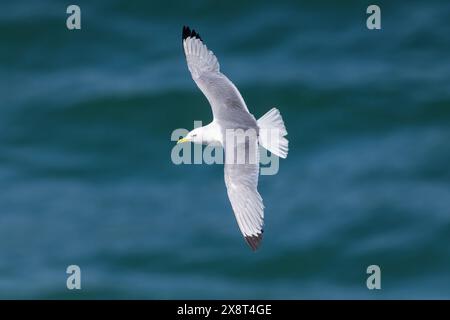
(223,96)
(241,181)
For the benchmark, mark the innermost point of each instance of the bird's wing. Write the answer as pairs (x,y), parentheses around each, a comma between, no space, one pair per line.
(241,181)
(221,93)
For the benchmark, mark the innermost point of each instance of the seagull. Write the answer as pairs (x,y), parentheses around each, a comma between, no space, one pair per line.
(231,113)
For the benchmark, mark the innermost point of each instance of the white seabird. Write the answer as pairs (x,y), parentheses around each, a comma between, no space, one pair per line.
(230,112)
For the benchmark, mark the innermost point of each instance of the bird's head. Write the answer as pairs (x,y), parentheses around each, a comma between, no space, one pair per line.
(195,136)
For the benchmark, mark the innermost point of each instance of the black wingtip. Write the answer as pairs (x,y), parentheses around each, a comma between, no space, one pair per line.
(254,241)
(187,32)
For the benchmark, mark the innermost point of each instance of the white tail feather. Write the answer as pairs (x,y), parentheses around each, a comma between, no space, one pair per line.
(272,132)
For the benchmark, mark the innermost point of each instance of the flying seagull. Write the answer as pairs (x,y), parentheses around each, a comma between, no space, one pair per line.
(231,113)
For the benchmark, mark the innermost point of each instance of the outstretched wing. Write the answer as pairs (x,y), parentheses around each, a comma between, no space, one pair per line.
(221,93)
(200,60)
(241,181)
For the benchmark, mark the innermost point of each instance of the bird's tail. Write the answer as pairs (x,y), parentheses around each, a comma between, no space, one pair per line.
(272,132)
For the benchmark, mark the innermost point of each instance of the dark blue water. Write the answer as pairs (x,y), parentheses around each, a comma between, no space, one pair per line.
(86,176)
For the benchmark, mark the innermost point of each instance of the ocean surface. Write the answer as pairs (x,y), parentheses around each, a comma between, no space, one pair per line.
(86,176)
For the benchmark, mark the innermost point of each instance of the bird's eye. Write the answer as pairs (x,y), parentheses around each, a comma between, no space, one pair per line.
(194,135)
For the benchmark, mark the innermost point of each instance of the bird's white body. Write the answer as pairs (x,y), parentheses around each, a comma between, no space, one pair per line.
(210,134)
(231,114)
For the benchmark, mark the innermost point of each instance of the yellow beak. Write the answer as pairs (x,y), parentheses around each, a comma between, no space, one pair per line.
(183,140)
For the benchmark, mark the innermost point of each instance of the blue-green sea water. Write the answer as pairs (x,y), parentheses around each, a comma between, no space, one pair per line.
(86,176)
